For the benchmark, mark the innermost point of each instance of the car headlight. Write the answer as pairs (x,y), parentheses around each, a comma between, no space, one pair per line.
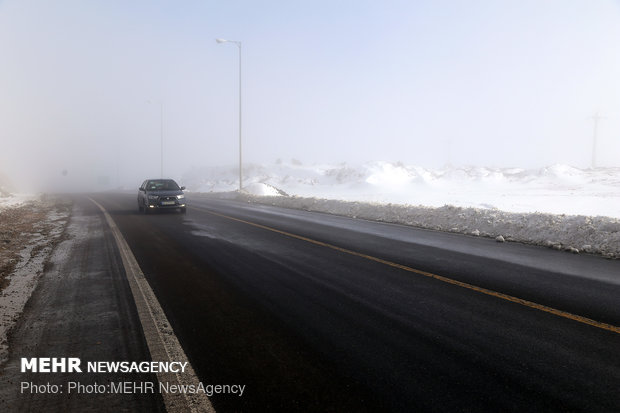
(180,196)
(153,197)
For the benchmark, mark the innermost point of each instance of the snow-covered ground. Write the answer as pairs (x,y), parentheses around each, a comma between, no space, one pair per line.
(558,189)
(559,206)
(14,200)
(9,199)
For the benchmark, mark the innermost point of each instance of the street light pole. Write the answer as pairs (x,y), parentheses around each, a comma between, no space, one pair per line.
(161,135)
(240,117)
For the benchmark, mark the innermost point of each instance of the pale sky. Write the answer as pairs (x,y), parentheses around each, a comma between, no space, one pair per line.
(472,82)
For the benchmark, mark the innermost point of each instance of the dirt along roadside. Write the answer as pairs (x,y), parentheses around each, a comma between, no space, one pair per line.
(28,234)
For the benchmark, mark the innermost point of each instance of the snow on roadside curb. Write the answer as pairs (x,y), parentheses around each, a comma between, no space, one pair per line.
(595,235)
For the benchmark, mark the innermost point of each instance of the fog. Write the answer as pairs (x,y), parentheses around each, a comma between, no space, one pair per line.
(85,87)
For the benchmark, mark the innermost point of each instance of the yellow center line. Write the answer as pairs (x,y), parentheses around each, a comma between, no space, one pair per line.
(472,287)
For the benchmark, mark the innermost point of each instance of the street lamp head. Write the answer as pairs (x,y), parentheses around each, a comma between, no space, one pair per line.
(220,41)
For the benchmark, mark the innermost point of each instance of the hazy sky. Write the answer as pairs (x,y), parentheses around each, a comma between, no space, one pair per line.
(483,82)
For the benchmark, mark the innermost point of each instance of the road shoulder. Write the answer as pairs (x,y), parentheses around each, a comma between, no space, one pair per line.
(82,307)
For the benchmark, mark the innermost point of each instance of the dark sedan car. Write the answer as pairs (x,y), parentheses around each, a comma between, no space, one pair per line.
(160,194)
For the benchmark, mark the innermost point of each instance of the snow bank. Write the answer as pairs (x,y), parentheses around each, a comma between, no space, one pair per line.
(263,189)
(557,189)
(596,235)
(559,206)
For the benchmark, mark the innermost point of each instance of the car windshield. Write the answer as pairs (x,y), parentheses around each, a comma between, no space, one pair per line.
(162,185)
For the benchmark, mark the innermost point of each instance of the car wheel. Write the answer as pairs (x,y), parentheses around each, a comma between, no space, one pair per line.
(139,207)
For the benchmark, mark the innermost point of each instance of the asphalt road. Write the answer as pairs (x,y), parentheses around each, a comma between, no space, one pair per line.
(314,312)
(82,307)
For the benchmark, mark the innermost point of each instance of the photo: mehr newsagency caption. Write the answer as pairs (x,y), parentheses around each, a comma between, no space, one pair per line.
(46,365)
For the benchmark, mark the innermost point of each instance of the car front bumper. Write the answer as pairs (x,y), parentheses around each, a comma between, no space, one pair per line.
(170,202)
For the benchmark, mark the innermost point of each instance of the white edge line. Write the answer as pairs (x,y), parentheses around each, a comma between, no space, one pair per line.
(161,340)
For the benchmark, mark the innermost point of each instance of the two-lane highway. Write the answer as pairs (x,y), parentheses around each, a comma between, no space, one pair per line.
(314,312)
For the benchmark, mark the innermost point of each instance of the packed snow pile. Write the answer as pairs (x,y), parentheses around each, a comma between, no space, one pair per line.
(596,235)
(562,207)
(259,188)
(558,189)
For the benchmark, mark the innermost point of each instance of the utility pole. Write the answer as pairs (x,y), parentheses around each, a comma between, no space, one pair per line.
(596,118)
